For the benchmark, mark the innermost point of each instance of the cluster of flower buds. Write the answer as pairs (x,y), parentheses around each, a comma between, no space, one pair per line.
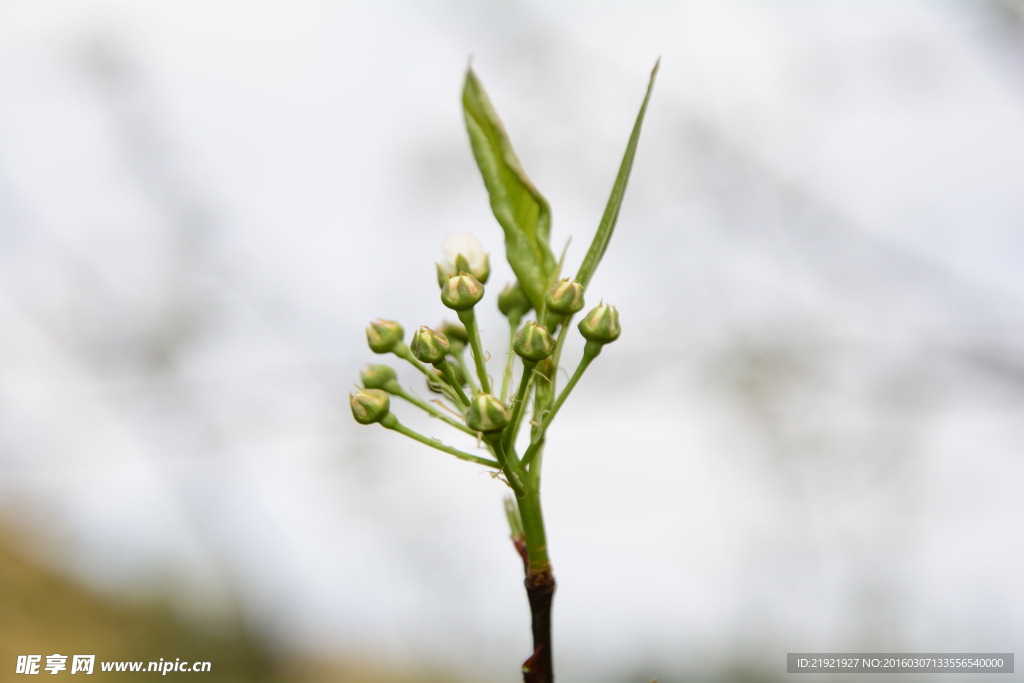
(461,276)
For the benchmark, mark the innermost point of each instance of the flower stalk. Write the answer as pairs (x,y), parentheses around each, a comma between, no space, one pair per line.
(397,426)
(468,319)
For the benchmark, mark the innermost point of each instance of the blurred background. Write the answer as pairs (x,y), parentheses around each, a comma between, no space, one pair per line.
(809,438)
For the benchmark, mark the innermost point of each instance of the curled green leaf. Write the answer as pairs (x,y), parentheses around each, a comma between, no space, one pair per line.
(521,210)
(611,211)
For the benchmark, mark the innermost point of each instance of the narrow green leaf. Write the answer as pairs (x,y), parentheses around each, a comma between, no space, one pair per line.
(611,211)
(520,208)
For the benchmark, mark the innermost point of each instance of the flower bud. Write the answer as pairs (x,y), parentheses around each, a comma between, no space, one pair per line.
(565,297)
(456,334)
(513,302)
(378,377)
(369,405)
(487,414)
(463,253)
(601,325)
(533,342)
(428,346)
(383,335)
(461,292)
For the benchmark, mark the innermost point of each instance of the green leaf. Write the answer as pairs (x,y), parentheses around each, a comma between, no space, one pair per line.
(520,208)
(611,211)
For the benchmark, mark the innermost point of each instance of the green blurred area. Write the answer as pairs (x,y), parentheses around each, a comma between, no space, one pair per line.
(44,613)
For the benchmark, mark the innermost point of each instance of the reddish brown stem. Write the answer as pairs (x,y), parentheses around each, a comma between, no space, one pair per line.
(540,590)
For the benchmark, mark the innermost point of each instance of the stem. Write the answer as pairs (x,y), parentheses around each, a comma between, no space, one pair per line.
(533,525)
(513,324)
(461,357)
(446,368)
(540,589)
(557,355)
(469,320)
(590,352)
(391,422)
(434,412)
(519,402)
(536,460)
(509,467)
(403,352)
(533,450)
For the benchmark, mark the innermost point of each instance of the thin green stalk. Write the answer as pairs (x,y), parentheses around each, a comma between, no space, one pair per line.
(397,426)
(434,412)
(590,352)
(513,325)
(543,397)
(460,356)
(469,320)
(515,524)
(446,368)
(519,402)
(403,352)
(556,355)
(531,455)
(509,466)
(560,342)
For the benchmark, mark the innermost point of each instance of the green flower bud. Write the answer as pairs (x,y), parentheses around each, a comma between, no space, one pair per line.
(487,414)
(565,297)
(378,377)
(428,346)
(456,333)
(461,292)
(383,335)
(513,302)
(533,342)
(601,325)
(369,405)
